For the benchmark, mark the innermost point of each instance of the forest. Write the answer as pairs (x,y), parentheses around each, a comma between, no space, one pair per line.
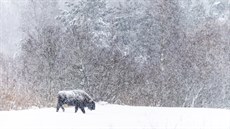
(163,53)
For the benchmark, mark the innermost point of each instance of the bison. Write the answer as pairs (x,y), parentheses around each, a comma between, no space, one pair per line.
(78,98)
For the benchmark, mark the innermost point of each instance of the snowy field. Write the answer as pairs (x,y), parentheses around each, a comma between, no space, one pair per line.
(108,116)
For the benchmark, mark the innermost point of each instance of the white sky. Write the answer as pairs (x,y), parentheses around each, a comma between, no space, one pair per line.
(9,26)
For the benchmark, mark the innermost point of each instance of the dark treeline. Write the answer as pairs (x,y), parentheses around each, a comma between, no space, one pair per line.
(152,52)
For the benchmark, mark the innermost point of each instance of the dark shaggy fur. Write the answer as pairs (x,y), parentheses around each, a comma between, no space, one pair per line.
(78,98)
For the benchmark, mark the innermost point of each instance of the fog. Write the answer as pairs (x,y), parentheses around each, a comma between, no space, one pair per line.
(10,33)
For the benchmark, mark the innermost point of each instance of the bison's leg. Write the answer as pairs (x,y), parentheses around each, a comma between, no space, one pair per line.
(59,105)
(63,109)
(82,109)
(76,108)
(81,105)
(61,101)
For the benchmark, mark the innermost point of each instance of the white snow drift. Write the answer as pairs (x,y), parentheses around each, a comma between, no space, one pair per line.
(107,116)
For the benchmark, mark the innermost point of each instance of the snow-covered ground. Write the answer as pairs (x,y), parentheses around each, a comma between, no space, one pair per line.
(108,116)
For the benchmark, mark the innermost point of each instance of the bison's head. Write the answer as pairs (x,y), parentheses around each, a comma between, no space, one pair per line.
(91,105)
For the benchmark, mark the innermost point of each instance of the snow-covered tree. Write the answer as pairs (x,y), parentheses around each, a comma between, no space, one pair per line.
(40,47)
(153,52)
